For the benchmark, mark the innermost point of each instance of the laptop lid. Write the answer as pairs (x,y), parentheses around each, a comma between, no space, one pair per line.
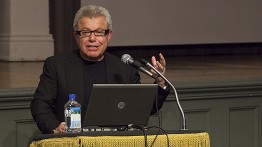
(120,104)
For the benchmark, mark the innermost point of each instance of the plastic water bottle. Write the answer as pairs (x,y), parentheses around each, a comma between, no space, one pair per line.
(72,115)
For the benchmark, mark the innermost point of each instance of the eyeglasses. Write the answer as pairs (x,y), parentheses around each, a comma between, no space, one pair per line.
(87,33)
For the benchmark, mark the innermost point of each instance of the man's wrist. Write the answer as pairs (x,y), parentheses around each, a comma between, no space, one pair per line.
(166,87)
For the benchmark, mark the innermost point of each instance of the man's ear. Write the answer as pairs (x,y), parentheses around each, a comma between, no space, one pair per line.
(76,37)
(74,34)
(110,33)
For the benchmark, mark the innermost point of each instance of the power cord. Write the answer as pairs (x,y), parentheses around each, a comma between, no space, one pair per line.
(158,118)
(130,126)
(159,128)
(158,134)
(143,128)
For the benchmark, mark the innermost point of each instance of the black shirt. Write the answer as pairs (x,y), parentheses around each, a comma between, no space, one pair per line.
(94,73)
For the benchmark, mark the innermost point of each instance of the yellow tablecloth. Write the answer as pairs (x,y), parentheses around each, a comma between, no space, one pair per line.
(175,140)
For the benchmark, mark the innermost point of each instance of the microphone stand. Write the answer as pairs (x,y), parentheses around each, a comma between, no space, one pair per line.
(174,89)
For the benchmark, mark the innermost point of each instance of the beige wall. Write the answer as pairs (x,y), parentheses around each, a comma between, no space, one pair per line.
(24,31)
(172,22)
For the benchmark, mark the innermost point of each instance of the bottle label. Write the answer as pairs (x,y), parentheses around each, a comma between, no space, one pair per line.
(75,117)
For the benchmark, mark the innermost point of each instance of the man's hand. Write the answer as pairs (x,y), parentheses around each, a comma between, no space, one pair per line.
(61,128)
(161,67)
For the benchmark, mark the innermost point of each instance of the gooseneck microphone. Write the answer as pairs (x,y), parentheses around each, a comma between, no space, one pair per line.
(146,63)
(127,59)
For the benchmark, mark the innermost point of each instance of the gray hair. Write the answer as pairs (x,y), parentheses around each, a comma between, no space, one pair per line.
(92,11)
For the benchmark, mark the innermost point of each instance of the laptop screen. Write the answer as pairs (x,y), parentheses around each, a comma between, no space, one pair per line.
(120,104)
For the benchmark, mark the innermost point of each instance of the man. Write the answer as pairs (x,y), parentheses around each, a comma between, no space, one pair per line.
(77,71)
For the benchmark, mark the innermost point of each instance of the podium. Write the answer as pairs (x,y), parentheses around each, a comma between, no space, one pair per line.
(123,139)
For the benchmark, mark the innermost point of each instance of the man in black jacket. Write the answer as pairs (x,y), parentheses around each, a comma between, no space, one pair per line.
(77,71)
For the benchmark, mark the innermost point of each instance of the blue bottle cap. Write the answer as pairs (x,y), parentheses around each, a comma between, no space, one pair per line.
(72,96)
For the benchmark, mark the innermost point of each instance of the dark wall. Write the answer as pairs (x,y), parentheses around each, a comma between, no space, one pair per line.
(62,14)
(229,112)
(189,50)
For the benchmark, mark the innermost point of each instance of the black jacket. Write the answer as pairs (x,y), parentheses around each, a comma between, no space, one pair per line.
(63,75)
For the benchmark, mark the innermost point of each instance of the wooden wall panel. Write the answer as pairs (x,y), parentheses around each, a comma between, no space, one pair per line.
(231,114)
(243,124)
(199,119)
(24,130)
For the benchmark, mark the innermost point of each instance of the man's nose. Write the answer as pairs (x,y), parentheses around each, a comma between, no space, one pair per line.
(92,37)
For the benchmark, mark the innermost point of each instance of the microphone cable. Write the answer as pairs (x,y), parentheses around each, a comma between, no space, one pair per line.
(158,119)
(159,124)
(145,134)
(140,128)
(159,128)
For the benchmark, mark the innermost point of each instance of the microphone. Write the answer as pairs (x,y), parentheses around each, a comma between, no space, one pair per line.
(127,59)
(146,63)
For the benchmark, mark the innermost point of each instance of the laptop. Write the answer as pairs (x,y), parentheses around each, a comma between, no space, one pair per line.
(119,105)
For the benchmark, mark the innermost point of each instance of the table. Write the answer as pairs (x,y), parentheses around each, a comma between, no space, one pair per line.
(194,139)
